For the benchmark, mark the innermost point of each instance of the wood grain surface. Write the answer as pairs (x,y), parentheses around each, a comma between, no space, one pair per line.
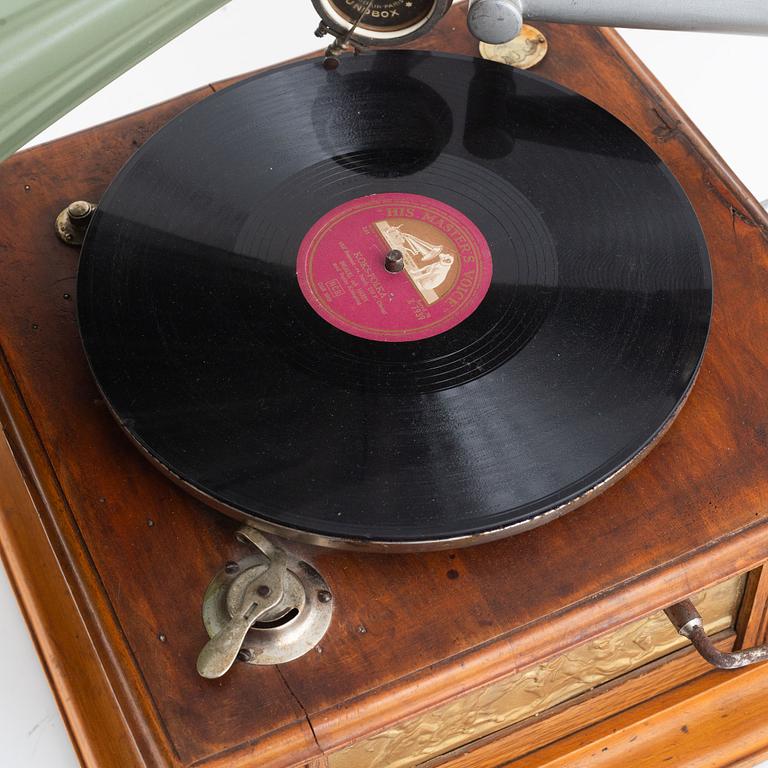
(131,554)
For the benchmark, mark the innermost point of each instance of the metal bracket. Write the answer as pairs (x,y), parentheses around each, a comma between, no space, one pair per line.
(687,621)
(268,608)
(72,222)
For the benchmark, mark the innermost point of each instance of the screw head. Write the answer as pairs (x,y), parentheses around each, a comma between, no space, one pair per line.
(263,590)
(324,596)
(245,654)
(231,567)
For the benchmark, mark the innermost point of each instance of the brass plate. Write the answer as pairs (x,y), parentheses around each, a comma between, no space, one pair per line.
(523,52)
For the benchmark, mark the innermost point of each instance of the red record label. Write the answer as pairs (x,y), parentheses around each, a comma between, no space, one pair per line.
(342,274)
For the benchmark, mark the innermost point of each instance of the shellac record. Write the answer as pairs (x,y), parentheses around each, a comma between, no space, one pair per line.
(239,307)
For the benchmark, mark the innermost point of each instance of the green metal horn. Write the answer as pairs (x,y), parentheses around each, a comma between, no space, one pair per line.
(56,53)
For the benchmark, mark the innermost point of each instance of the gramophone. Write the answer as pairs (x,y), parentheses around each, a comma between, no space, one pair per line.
(355,642)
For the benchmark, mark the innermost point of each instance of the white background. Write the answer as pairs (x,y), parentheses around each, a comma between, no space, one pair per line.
(718,80)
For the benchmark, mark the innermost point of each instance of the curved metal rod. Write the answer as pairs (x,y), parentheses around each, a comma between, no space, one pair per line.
(740,17)
(687,621)
(497,21)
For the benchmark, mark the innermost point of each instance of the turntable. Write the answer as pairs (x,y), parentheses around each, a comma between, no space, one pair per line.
(316,382)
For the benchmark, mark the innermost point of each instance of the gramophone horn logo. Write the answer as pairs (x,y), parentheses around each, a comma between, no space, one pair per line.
(428,264)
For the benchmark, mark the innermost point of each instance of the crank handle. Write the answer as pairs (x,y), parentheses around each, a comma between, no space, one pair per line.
(687,621)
